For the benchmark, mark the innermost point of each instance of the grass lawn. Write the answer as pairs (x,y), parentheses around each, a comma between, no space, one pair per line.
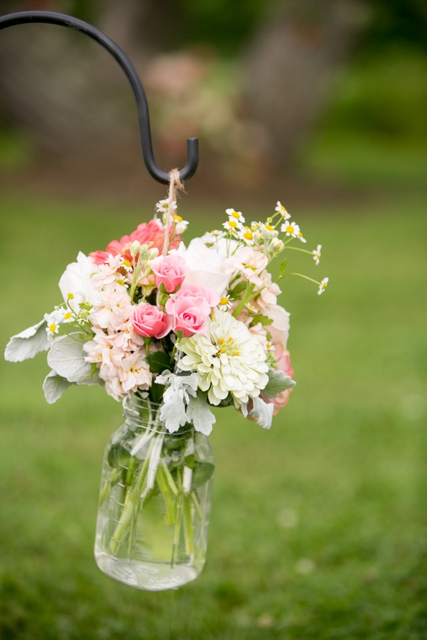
(319,527)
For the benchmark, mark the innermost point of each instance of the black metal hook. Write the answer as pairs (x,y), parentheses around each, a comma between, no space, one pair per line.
(50,17)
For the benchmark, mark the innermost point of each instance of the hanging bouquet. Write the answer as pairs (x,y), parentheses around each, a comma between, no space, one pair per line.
(172,330)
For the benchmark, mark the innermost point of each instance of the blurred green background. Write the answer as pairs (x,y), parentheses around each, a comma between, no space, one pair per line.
(319,527)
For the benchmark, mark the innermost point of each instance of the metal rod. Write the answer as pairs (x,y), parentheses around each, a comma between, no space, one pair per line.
(63,20)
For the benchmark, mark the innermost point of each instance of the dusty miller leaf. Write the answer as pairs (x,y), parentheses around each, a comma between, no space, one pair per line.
(67,358)
(199,413)
(262,412)
(277,382)
(54,386)
(28,343)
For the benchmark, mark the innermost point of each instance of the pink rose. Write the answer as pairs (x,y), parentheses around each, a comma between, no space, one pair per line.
(149,322)
(189,314)
(211,296)
(170,271)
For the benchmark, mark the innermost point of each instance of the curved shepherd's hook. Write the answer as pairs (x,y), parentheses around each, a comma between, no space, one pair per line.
(61,19)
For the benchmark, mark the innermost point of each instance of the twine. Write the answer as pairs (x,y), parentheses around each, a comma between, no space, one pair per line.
(175,185)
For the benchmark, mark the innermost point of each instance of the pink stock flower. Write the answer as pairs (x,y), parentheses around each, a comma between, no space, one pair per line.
(283,364)
(249,263)
(170,271)
(151,233)
(148,321)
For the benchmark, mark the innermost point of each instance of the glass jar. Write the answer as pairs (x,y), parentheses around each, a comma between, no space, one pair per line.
(155,501)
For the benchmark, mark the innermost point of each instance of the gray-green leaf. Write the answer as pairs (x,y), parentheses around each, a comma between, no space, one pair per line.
(54,386)
(277,382)
(199,413)
(67,358)
(27,343)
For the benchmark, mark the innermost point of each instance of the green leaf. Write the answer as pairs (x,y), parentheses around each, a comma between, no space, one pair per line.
(238,289)
(260,318)
(283,267)
(202,472)
(159,361)
(277,382)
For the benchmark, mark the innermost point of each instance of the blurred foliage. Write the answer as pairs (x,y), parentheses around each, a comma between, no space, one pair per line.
(385,96)
(398,22)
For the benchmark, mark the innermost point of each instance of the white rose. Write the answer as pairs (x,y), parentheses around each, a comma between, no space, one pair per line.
(279,328)
(76,279)
(206,265)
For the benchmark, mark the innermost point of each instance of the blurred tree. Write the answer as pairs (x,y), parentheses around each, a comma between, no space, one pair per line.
(291,64)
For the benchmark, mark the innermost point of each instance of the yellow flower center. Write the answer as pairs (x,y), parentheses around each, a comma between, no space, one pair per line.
(269,227)
(52,327)
(224,301)
(236,214)
(232,224)
(127,263)
(67,315)
(248,235)
(71,296)
(122,282)
(177,218)
(228,347)
(290,229)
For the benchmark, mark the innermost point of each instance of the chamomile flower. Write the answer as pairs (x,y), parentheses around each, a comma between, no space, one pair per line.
(180,224)
(317,253)
(162,206)
(323,285)
(290,228)
(232,226)
(301,237)
(225,303)
(235,215)
(247,236)
(281,209)
(54,320)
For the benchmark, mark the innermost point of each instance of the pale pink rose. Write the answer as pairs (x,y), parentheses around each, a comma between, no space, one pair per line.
(189,314)
(188,290)
(279,328)
(170,271)
(149,322)
(269,292)
(283,364)
(249,262)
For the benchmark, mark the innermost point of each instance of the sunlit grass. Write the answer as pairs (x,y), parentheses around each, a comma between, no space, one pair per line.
(318,526)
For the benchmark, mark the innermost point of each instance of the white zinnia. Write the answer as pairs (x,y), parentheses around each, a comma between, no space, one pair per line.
(229,359)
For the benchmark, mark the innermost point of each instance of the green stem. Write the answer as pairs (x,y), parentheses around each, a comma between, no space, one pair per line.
(188,526)
(301,250)
(133,497)
(246,298)
(300,275)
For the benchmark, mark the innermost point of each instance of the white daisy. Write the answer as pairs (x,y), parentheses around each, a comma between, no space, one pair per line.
(290,228)
(317,253)
(225,303)
(233,226)
(180,224)
(281,209)
(323,285)
(162,206)
(229,359)
(235,215)
(247,236)
(54,321)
